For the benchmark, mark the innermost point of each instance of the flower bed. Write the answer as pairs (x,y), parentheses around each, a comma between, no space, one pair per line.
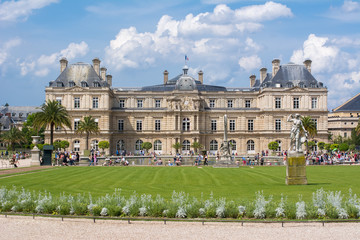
(324,205)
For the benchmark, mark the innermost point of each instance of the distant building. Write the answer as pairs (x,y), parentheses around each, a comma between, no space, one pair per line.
(344,118)
(186,110)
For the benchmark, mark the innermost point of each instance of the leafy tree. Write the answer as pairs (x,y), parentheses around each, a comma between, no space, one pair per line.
(146,146)
(12,137)
(104,145)
(273,146)
(327,146)
(343,147)
(338,139)
(29,130)
(64,144)
(311,145)
(321,145)
(177,146)
(352,147)
(57,145)
(196,146)
(330,136)
(88,126)
(334,146)
(52,114)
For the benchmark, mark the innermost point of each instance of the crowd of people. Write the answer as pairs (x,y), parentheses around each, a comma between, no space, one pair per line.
(67,158)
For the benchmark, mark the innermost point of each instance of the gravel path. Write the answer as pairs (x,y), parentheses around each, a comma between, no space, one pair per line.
(22,169)
(21,227)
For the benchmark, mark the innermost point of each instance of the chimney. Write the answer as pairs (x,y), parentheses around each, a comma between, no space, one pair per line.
(166,76)
(275,66)
(201,76)
(252,80)
(109,80)
(96,65)
(103,72)
(307,64)
(263,73)
(63,64)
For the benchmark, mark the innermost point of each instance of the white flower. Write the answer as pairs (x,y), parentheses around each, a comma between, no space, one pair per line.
(181,212)
(104,212)
(241,210)
(142,211)
(300,210)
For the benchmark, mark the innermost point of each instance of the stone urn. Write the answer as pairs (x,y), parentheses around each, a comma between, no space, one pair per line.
(35,141)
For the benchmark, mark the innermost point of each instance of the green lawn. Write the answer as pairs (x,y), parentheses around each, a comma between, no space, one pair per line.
(235,183)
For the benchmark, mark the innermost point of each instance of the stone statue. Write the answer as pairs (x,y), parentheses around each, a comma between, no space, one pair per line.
(225,148)
(295,133)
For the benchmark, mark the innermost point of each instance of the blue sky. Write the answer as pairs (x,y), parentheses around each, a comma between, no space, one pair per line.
(137,40)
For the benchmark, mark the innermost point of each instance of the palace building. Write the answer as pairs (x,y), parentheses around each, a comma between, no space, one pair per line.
(187,110)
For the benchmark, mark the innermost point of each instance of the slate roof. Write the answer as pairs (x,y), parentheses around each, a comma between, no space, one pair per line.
(352,105)
(77,74)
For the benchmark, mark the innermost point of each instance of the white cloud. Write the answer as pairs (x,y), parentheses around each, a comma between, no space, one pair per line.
(348,12)
(216,35)
(7,46)
(323,55)
(250,63)
(350,6)
(21,9)
(40,67)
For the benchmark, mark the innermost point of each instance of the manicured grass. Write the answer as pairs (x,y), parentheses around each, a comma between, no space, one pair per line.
(236,183)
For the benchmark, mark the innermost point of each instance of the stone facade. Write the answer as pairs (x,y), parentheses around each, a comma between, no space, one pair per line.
(186,110)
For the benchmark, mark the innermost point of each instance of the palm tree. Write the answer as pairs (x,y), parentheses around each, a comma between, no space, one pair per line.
(196,146)
(88,126)
(54,115)
(12,137)
(309,126)
(177,146)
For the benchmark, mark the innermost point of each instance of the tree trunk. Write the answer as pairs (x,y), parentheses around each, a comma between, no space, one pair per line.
(87,141)
(51,133)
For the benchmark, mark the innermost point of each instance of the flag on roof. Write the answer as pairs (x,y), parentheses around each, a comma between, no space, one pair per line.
(186,58)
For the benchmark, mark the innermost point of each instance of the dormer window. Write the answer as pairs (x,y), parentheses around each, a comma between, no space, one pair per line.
(59,84)
(289,85)
(71,84)
(96,84)
(84,84)
(313,85)
(301,85)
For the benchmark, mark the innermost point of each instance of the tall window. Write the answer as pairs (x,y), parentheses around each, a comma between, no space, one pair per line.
(121,125)
(138,144)
(313,102)
(213,145)
(250,125)
(157,145)
(232,125)
(77,145)
(186,124)
(139,125)
(186,145)
(247,104)
(157,103)
(95,145)
(96,120)
(213,125)
(120,145)
(315,122)
(157,125)
(122,103)
(277,102)
(232,145)
(250,145)
(76,102)
(95,102)
(76,124)
(296,103)
(278,125)
(229,103)
(279,148)
(139,103)
(212,103)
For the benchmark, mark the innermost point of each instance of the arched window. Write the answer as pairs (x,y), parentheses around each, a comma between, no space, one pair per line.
(138,145)
(213,145)
(315,147)
(157,145)
(232,145)
(250,145)
(120,145)
(77,145)
(279,148)
(84,84)
(301,84)
(186,124)
(96,84)
(71,84)
(95,145)
(186,145)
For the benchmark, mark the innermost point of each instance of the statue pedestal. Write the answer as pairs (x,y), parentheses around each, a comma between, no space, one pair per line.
(35,157)
(296,169)
(225,162)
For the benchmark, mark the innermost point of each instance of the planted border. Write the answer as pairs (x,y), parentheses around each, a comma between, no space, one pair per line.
(324,205)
